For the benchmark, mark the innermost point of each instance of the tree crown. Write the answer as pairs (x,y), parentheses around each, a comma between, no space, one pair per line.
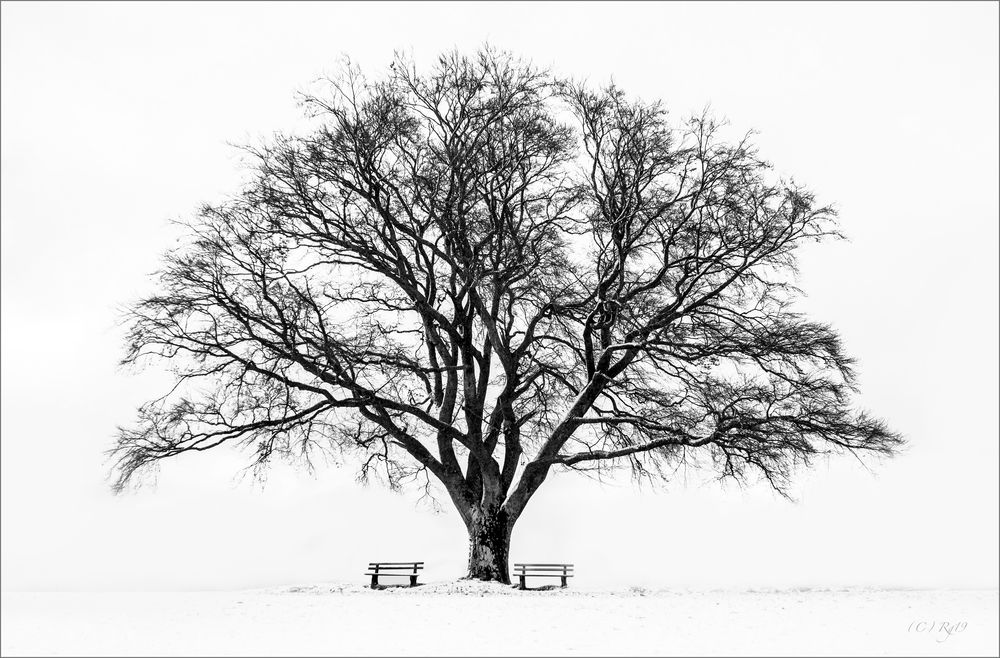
(483,271)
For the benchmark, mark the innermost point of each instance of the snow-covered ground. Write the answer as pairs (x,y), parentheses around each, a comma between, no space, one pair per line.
(464,618)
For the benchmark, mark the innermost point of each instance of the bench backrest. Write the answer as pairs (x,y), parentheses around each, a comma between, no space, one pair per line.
(395,566)
(527,569)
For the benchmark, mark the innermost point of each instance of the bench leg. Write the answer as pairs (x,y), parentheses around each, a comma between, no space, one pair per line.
(563,579)
(413,580)
(521,585)
(374,581)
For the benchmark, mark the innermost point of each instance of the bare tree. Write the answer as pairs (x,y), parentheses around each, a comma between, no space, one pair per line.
(481,273)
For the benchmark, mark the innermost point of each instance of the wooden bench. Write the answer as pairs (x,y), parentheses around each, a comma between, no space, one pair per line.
(398,569)
(561,571)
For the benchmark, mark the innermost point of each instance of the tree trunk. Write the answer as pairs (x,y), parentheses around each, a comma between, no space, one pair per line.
(489,545)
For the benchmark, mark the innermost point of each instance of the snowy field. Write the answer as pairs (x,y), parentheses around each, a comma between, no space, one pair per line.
(466,618)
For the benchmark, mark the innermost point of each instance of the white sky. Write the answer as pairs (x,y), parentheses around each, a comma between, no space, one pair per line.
(116,118)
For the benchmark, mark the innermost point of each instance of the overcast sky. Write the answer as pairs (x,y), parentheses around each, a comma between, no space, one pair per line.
(116,118)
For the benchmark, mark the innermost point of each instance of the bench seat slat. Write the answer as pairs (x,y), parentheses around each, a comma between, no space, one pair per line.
(547,575)
(394,564)
(390,575)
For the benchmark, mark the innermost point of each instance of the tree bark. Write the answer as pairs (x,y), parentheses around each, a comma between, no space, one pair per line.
(489,545)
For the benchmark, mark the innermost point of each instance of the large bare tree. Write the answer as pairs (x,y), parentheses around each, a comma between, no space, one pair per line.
(481,273)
